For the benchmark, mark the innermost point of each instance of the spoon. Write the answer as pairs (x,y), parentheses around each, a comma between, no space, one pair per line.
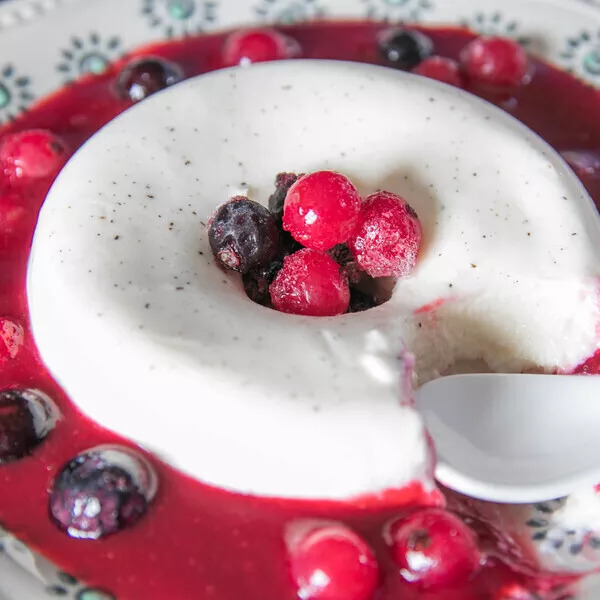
(514,438)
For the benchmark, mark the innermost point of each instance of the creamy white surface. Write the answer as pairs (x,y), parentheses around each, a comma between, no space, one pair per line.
(152,340)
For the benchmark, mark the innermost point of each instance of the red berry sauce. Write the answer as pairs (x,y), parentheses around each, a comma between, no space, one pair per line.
(196,541)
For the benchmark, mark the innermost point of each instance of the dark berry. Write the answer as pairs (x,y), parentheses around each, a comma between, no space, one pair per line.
(405,48)
(433,549)
(257,281)
(442,69)
(341,254)
(258,45)
(387,238)
(310,283)
(333,563)
(287,244)
(101,492)
(321,209)
(12,337)
(26,418)
(243,235)
(283,182)
(496,61)
(360,301)
(34,153)
(145,76)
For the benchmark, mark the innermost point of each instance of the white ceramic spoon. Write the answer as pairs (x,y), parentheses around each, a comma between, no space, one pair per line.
(514,438)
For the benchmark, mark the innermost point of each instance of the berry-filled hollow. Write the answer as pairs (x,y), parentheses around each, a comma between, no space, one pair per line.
(63,485)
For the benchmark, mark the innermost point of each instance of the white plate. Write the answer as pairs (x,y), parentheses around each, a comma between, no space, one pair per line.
(46,43)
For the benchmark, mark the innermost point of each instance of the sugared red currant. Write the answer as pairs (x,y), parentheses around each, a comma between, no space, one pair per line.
(310,283)
(258,45)
(388,235)
(333,563)
(283,182)
(34,154)
(442,69)
(433,549)
(26,418)
(101,492)
(243,235)
(12,337)
(145,76)
(404,48)
(321,209)
(496,61)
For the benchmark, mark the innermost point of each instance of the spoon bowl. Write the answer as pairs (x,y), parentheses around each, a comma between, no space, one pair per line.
(514,438)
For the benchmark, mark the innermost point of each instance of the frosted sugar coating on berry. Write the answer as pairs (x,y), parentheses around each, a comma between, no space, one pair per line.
(243,235)
(102,491)
(321,209)
(310,283)
(388,235)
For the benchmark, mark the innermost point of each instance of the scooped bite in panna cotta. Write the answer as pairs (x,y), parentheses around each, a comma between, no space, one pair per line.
(152,339)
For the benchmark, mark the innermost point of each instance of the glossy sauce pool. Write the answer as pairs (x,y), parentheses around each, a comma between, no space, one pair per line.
(196,541)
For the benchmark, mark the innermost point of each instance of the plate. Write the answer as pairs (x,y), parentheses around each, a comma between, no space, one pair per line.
(83,36)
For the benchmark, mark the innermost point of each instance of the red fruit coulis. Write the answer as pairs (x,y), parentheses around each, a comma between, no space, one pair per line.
(196,541)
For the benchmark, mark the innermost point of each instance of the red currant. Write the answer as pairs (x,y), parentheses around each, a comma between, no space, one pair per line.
(321,209)
(34,153)
(442,69)
(333,563)
(496,61)
(433,549)
(310,283)
(388,235)
(258,45)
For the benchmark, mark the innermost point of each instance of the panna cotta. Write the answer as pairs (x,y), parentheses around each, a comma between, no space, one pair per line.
(152,340)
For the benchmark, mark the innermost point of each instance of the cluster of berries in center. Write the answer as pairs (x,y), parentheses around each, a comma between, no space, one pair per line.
(319,248)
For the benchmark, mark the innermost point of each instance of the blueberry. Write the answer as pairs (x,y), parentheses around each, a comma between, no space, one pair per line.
(101,491)
(26,418)
(243,235)
(405,48)
(145,76)
(283,182)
